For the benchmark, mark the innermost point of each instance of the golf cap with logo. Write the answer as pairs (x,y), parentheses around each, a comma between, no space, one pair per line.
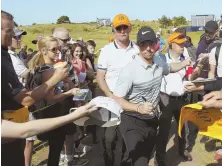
(37,39)
(146,34)
(19,32)
(107,115)
(121,19)
(176,37)
(211,26)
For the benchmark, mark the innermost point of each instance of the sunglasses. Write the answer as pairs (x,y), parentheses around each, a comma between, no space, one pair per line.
(181,37)
(122,27)
(54,50)
(17,37)
(64,40)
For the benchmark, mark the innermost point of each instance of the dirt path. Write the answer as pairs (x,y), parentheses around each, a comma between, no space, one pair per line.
(203,154)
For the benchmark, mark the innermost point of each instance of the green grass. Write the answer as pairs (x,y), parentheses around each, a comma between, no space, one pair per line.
(91,31)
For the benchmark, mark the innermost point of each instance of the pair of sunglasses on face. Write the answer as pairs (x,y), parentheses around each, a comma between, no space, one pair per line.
(17,37)
(122,27)
(65,40)
(54,50)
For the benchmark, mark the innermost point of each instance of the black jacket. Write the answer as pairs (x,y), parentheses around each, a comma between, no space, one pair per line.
(214,86)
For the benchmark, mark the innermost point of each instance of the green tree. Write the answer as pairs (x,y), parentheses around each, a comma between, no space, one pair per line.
(181,20)
(165,22)
(63,19)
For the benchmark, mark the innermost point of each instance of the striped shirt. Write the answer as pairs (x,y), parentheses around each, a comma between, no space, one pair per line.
(139,79)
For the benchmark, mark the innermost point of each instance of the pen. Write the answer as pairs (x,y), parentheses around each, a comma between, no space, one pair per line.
(144,99)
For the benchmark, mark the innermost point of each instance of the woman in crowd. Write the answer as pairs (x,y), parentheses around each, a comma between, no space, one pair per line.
(41,69)
(81,63)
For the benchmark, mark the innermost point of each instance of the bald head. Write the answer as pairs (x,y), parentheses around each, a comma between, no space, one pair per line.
(62,34)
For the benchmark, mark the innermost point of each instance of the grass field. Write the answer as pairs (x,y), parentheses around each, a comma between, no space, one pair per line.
(92,31)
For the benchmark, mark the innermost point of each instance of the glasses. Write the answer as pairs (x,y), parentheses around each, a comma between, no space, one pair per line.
(64,40)
(17,37)
(54,50)
(122,27)
(181,37)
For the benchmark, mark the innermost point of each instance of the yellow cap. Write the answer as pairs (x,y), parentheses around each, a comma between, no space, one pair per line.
(176,37)
(121,19)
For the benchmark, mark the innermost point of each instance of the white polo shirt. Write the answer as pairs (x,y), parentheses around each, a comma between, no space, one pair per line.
(113,59)
(212,60)
(18,65)
(173,83)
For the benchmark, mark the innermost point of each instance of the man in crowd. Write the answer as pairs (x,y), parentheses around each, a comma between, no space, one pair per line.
(22,74)
(14,96)
(137,91)
(23,54)
(161,42)
(67,156)
(172,91)
(113,58)
(19,66)
(91,46)
(210,35)
(215,61)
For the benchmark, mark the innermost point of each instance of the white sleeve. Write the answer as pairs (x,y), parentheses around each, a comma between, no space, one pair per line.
(212,60)
(103,60)
(18,65)
(185,53)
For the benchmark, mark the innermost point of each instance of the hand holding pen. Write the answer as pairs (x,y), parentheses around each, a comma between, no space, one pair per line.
(146,107)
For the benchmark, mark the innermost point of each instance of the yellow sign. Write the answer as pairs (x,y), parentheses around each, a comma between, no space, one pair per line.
(19,116)
(209,121)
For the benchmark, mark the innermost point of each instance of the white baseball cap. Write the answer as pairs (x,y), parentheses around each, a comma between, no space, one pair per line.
(108,114)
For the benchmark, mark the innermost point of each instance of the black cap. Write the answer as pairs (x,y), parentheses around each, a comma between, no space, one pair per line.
(211,26)
(146,34)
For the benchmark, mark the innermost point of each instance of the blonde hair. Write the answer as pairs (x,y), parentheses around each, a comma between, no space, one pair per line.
(38,59)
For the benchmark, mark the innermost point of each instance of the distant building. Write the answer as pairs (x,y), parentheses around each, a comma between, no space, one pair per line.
(201,20)
(104,22)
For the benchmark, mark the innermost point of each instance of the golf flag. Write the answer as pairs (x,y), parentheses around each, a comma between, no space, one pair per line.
(209,121)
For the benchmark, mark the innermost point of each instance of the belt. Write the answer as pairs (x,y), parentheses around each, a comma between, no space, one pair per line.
(178,97)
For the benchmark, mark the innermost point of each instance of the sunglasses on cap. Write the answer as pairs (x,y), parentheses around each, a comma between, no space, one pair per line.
(122,27)
(17,37)
(64,40)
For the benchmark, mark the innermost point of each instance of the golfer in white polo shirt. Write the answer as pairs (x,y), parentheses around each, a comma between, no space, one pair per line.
(112,59)
(137,91)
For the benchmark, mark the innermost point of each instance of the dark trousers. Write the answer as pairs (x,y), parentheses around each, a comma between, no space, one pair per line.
(55,147)
(111,136)
(12,153)
(139,137)
(170,107)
